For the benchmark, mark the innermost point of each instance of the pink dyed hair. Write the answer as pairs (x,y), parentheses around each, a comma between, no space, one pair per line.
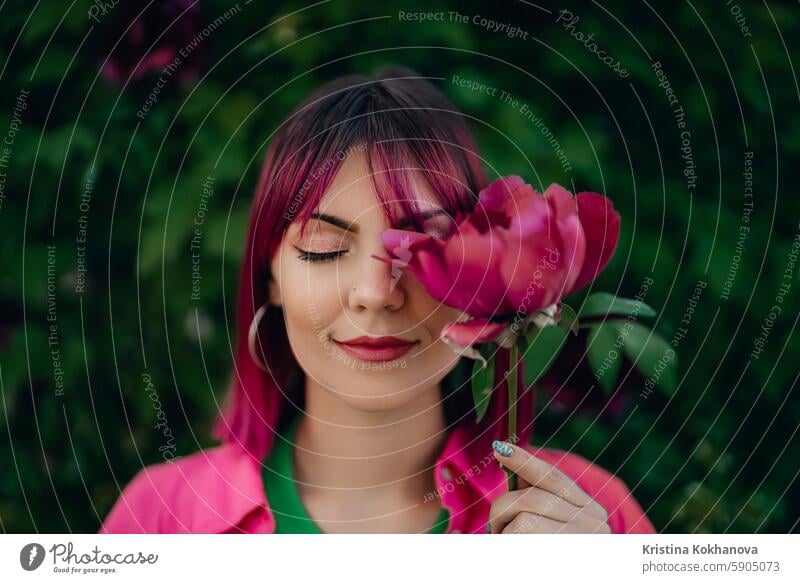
(405,123)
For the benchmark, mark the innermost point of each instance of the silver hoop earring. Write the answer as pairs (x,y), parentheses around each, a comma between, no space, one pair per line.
(253,332)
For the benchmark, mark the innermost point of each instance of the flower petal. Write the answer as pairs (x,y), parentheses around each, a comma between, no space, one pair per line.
(474,331)
(573,239)
(601,224)
(494,196)
(473,262)
(535,266)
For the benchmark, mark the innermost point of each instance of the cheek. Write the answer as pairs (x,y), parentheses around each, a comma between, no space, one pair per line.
(441,315)
(310,303)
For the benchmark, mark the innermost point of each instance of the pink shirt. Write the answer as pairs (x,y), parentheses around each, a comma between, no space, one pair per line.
(221,490)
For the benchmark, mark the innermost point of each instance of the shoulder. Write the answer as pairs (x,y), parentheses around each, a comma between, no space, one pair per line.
(625,515)
(208,491)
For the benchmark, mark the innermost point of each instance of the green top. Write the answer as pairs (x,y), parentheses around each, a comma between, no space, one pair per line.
(284,500)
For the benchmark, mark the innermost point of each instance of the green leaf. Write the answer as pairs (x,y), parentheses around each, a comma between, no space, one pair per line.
(603,304)
(651,354)
(569,319)
(482,383)
(541,350)
(603,356)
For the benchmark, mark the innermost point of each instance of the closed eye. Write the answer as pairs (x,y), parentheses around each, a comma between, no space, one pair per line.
(318,257)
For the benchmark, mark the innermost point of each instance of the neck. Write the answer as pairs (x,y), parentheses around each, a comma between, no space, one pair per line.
(368,454)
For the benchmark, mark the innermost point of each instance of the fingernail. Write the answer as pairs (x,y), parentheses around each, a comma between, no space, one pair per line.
(488,527)
(503,448)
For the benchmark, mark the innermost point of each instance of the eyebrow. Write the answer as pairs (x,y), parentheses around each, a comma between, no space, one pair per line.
(350,226)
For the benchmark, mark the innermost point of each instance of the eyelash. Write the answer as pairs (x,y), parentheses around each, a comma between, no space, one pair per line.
(318,257)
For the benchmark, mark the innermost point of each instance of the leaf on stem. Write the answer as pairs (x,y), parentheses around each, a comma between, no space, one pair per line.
(540,350)
(603,356)
(483,382)
(604,304)
(569,319)
(651,354)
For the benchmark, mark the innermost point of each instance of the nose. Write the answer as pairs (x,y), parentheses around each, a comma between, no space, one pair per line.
(377,287)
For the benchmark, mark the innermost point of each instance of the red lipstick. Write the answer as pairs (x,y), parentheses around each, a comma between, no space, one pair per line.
(378,349)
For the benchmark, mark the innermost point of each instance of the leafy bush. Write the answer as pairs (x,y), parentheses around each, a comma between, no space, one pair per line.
(107,362)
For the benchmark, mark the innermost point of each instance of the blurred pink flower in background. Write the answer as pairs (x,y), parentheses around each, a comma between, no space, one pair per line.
(167,32)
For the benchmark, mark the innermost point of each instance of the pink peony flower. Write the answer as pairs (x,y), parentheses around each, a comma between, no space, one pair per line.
(510,261)
(150,38)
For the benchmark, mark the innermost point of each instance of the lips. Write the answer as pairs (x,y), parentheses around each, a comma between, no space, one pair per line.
(379,349)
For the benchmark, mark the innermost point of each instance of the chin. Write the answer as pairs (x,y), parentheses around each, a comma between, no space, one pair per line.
(375,405)
(375,395)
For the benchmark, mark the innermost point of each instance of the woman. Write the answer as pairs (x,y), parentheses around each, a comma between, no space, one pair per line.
(346,412)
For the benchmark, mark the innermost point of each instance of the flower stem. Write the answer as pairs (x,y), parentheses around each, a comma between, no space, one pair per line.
(511,477)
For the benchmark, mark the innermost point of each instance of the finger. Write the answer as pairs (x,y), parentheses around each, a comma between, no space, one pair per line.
(505,508)
(538,472)
(541,474)
(535,501)
(542,499)
(527,523)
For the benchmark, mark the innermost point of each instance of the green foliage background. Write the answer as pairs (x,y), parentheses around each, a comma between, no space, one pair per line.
(717,456)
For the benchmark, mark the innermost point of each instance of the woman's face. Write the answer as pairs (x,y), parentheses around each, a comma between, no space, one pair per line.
(349,294)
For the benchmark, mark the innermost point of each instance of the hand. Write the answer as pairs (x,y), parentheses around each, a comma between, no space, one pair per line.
(547,500)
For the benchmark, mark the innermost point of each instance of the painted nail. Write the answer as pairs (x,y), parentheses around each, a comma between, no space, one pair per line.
(503,448)
(488,527)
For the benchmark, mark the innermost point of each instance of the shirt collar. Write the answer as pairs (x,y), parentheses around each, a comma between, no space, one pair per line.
(458,464)
(226,485)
